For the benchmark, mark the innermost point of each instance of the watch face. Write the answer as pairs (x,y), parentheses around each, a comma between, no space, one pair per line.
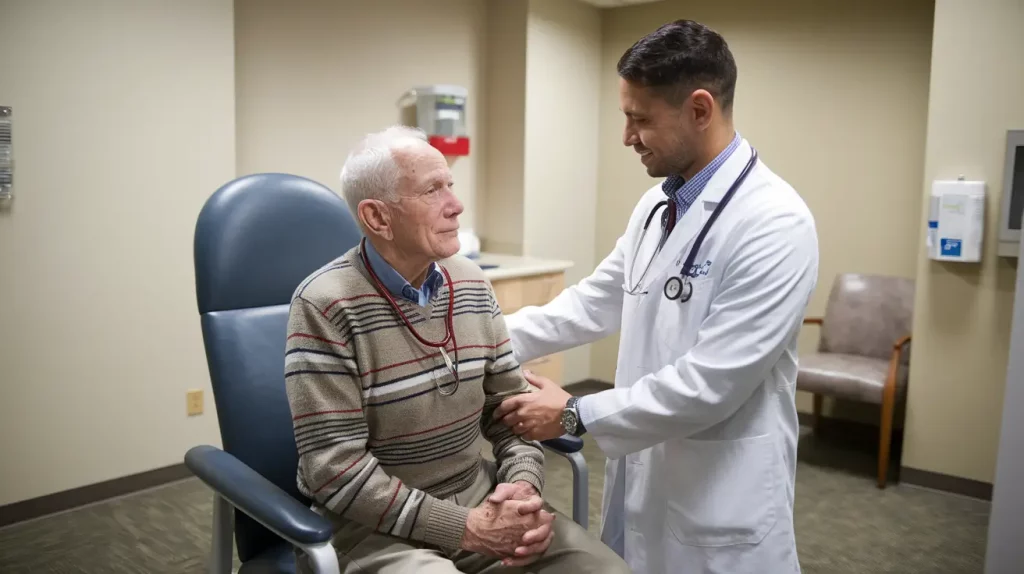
(569,421)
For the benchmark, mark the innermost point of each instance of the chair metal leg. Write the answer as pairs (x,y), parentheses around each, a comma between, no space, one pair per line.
(580,486)
(580,489)
(223,534)
(323,558)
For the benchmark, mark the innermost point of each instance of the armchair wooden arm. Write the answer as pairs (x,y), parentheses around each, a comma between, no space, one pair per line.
(813,320)
(889,404)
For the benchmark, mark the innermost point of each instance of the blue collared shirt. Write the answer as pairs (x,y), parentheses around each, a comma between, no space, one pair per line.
(684,191)
(398,286)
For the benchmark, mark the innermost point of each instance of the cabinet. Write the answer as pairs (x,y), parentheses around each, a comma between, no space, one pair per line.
(522,282)
(518,292)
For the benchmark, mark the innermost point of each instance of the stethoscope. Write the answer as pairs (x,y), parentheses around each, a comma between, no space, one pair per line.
(449,328)
(679,288)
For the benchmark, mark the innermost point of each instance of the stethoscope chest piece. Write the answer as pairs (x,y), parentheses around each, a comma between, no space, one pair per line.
(674,287)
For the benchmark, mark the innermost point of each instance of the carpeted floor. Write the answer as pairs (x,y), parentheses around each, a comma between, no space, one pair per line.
(844,524)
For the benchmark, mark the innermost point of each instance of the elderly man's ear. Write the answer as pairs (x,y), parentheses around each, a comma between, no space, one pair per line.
(376,217)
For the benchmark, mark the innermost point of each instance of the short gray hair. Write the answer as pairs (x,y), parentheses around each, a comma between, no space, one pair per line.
(370,171)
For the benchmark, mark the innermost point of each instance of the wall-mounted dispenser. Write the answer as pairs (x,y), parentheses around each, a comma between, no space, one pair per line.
(6,154)
(956,220)
(441,113)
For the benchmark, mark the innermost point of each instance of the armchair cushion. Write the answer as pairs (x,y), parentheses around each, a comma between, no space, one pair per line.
(866,314)
(843,376)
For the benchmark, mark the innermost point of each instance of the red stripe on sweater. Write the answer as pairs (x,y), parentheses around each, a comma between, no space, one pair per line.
(305,336)
(430,356)
(390,504)
(327,413)
(322,486)
(471,415)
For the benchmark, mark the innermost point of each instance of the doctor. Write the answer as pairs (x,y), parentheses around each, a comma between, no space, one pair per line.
(700,430)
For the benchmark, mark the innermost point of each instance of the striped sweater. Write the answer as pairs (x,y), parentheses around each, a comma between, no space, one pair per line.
(378,444)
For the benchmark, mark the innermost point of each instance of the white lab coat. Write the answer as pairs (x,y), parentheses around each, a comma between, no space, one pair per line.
(701,428)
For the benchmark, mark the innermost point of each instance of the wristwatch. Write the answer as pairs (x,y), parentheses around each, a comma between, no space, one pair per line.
(571,422)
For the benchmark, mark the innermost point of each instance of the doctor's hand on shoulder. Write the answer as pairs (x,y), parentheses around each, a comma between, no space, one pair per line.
(538,415)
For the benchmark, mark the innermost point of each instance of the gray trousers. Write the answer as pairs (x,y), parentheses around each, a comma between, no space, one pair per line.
(361,550)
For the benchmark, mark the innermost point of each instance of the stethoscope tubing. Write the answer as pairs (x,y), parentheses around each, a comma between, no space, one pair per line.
(676,288)
(449,326)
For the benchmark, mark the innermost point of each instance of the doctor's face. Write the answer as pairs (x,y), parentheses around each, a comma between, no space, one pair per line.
(657,130)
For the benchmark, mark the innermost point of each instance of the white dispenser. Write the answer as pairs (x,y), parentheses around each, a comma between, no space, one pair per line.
(956,220)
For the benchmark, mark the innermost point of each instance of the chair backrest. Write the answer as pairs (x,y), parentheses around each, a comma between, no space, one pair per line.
(866,314)
(256,239)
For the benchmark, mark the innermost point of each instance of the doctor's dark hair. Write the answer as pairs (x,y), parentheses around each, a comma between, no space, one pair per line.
(680,57)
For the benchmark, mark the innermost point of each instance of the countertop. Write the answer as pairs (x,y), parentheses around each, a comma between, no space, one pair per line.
(515,266)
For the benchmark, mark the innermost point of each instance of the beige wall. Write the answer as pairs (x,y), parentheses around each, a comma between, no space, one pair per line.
(313,76)
(963,311)
(124,124)
(563,59)
(542,106)
(833,95)
(500,198)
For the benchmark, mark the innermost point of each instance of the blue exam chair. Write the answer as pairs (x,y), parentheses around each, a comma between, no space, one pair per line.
(256,239)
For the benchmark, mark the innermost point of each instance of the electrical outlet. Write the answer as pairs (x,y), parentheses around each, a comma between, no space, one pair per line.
(194,402)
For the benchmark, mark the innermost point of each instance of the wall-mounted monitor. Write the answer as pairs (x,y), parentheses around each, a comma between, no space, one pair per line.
(1012,211)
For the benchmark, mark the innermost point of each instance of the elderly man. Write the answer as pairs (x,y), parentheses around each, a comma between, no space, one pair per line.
(397,354)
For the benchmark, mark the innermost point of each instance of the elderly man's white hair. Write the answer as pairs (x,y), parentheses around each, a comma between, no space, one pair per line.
(370,172)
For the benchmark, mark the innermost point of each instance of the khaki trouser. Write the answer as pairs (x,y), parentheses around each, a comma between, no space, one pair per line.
(573,550)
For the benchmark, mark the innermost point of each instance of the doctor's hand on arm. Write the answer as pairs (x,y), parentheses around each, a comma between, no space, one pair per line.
(537,415)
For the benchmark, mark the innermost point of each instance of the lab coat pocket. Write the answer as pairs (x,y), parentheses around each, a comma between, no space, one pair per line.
(677,322)
(725,493)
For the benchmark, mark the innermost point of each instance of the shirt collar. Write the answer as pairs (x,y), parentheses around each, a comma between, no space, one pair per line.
(684,191)
(397,285)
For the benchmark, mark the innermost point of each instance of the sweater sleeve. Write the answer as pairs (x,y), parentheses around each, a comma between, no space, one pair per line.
(517,459)
(335,467)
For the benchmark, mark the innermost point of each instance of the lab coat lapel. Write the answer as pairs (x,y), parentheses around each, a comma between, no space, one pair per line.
(673,253)
(686,229)
(723,179)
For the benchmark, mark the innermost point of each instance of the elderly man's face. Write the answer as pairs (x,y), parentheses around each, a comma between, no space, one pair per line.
(427,214)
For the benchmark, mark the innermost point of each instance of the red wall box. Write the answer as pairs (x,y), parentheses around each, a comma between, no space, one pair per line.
(449,145)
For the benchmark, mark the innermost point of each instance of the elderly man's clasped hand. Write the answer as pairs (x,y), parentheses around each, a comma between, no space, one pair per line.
(511,524)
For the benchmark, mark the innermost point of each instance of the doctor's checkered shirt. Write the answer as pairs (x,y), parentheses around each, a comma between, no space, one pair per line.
(686,192)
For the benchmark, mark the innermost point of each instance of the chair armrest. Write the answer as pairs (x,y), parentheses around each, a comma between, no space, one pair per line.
(565,444)
(813,320)
(257,497)
(899,344)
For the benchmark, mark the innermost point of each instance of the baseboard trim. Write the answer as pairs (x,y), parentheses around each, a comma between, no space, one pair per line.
(587,386)
(90,494)
(76,497)
(946,483)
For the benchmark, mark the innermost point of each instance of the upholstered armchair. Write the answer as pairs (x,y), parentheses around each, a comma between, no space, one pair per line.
(863,350)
